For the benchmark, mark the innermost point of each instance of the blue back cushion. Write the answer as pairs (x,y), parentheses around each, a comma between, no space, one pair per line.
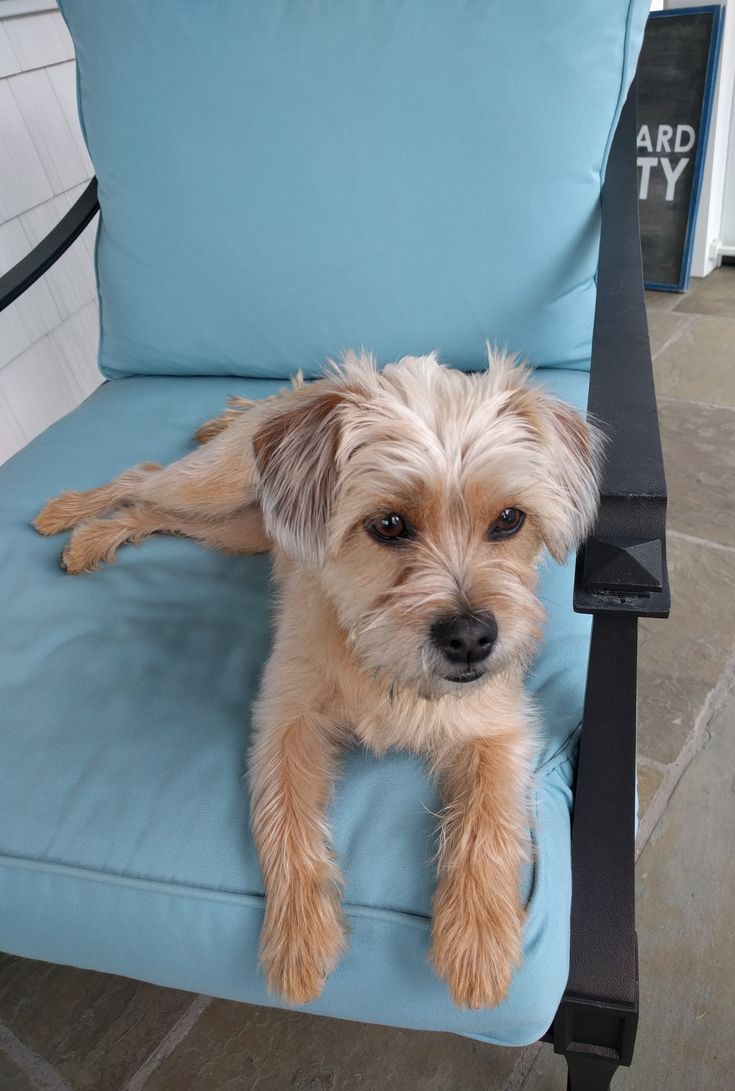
(283,179)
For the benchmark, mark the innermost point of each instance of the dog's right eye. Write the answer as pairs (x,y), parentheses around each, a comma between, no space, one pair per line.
(389,528)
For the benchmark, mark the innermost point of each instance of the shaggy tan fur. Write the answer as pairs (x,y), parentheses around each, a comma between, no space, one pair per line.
(306,474)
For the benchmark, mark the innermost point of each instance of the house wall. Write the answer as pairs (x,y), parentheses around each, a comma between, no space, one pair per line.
(48,337)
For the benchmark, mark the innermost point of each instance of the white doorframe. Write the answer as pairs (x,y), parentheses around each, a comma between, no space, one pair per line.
(727,232)
(708,234)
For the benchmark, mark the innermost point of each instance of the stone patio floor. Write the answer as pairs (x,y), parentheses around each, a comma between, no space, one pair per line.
(63,1029)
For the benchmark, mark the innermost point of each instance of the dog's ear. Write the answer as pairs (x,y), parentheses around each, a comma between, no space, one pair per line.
(296,470)
(572,454)
(575,458)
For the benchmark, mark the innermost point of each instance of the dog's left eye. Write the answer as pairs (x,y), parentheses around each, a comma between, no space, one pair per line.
(509,522)
(389,528)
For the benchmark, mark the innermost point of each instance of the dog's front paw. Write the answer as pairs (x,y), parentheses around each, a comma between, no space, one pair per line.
(301,942)
(90,545)
(476,946)
(60,514)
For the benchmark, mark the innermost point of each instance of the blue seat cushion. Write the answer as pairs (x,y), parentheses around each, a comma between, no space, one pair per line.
(283,180)
(125,698)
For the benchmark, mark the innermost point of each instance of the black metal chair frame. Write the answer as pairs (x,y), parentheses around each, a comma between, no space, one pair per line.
(620,576)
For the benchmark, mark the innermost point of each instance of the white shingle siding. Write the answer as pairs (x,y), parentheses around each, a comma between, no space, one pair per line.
(24,181)
(71,279)
(39,40)
(63,79)
(35,310)
(46,123)
(9,63)
(48,337)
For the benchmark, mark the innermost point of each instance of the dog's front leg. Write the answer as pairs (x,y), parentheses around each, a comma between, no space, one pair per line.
(478,911)
(291,771)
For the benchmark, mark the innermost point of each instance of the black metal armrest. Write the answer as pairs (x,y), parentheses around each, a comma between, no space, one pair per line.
(621,575)
(42,257)
(622,566)
(597,1019)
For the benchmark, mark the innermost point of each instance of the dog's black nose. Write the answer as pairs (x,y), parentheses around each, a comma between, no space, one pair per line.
(465,638)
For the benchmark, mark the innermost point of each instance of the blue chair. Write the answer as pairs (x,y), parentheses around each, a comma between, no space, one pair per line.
(278,182)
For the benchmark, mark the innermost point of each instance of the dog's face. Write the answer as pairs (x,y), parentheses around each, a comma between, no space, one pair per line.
(423,497)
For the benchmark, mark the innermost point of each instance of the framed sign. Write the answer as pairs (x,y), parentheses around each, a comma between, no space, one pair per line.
(676,80)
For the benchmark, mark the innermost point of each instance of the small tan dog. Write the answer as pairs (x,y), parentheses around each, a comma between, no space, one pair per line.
(407,510)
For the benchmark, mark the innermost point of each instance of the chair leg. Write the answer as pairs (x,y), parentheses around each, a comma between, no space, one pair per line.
(589,1072)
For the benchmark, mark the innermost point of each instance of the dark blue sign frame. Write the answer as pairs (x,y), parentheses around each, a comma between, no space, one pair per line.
(716,11)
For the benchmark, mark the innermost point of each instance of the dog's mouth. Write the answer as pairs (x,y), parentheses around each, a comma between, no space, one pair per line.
(465,676)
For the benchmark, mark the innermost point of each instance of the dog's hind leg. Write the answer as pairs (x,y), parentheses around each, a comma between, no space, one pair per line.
(97,540)
(211,428)
(72,507)
(236,406)
(211,482)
